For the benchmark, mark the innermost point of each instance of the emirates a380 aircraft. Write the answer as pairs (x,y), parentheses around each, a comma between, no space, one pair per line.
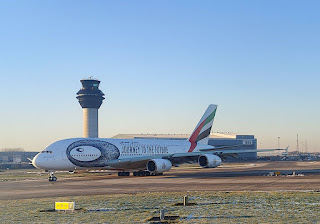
(141,156)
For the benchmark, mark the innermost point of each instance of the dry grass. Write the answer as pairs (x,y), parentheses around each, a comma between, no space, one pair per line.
(211,207)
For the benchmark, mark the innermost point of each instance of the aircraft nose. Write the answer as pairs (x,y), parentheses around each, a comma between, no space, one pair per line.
(35,161)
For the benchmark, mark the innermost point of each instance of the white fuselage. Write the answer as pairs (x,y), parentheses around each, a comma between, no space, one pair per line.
(95,153)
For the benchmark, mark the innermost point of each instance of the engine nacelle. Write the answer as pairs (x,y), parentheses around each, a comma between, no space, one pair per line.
(158,165)
(209,161)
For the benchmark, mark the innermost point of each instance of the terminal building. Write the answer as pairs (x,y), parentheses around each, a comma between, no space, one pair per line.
(215,139)
(16,159)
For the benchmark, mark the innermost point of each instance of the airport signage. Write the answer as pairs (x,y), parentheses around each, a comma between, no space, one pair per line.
(64,206)
(247,142)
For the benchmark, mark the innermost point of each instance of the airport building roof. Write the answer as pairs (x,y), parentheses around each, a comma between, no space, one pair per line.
(218,135)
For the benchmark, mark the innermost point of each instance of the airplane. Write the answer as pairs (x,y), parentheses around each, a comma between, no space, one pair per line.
(144,157)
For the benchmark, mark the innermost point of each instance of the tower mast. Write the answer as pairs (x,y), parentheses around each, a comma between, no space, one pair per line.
(297,143)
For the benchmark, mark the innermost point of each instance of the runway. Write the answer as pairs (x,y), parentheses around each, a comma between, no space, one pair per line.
(229,177)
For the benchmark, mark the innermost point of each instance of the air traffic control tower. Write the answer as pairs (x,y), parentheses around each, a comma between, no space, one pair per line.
(90,98)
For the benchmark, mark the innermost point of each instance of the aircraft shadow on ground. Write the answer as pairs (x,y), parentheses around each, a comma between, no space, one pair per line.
(245,173)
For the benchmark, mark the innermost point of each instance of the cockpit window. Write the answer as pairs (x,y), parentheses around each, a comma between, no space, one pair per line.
(46,151)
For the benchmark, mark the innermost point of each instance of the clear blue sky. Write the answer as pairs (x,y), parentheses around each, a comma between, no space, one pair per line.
(160,64)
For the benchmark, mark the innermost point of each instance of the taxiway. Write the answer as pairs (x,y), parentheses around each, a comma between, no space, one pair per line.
(229,177)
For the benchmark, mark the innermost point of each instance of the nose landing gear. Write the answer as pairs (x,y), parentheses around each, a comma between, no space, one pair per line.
(52,177)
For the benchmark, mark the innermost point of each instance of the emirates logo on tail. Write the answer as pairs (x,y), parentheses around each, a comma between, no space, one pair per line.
(203,129)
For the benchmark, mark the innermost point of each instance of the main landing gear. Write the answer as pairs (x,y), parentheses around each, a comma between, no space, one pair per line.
(140,173)
(123,174)
(52,177)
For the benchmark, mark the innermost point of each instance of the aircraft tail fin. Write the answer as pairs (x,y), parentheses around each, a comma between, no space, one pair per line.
(202,131)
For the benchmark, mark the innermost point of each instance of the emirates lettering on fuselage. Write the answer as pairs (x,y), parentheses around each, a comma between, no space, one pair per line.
(137,148)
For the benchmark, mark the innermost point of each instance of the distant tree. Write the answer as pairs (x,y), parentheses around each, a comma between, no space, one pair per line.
(13,150)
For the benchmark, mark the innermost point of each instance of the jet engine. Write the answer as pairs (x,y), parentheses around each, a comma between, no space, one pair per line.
(209,161)
(158,165)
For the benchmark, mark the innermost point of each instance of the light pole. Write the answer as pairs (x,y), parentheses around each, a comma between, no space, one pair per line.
(278,142)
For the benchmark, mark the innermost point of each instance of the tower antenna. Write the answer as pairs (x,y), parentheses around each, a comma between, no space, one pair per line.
(297,143)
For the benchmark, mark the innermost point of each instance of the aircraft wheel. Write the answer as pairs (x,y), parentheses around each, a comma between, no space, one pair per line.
(123,174)
(52,177)
(147,173)
(134,174)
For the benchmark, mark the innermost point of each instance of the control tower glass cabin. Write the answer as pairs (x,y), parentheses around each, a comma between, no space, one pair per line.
(90,98)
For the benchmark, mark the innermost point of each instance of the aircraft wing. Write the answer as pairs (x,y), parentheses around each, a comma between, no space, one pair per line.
(141,162)
(223,152)
(178,158)
(132,163)
(221,147)
(244,143)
